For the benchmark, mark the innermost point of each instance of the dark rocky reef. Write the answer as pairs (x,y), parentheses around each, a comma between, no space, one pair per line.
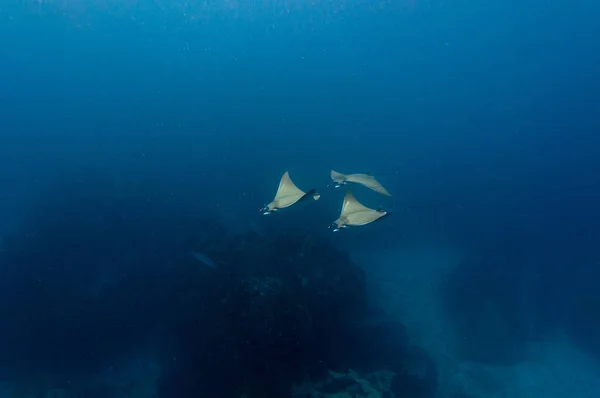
(272,312)
(106,271)
(278,311)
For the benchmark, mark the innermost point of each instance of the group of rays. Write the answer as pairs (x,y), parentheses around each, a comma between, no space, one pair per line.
(353,213)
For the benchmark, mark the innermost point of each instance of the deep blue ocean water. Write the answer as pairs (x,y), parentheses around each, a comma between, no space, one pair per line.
(482,120)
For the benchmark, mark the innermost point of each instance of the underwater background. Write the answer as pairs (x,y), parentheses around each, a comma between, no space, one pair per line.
(139,140)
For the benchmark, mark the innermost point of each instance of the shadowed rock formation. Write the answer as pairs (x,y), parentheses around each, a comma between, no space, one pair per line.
(105,272)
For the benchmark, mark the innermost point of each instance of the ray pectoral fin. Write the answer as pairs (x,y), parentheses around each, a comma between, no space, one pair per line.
(339,178)
(368,181)
(287,188)
(384,191)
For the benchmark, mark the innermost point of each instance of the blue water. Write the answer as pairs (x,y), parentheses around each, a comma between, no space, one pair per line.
(124,124)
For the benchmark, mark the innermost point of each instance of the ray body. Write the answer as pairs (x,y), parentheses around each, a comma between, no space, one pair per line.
(365,180)
(288,194)
(355,214)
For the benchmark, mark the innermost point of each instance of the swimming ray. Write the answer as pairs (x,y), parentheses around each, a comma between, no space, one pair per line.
(288,194)
(355,214)
(365,179)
